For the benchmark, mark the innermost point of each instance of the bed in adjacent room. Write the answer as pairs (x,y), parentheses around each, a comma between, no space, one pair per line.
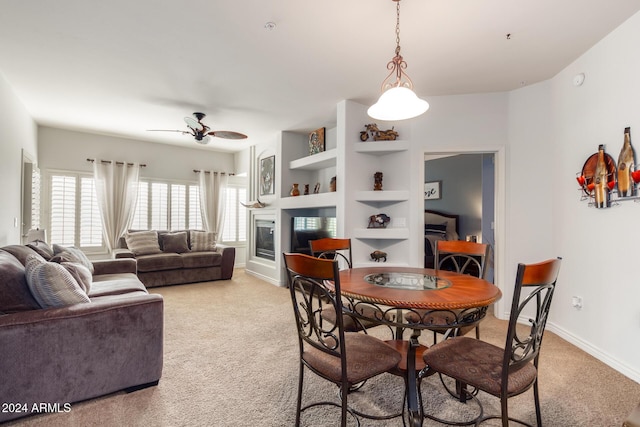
(438,226)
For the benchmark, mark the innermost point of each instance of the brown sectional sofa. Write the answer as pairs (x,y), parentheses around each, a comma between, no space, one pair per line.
(67,354)
(171,268)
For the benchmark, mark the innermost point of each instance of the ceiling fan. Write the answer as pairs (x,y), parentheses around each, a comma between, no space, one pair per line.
(201,132)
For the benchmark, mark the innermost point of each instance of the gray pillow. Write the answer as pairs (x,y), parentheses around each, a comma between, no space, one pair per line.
(143,242)
(203,241)
(52,285)
(71,254)
(15,295)
(81,274)
(42,248)
(175,242)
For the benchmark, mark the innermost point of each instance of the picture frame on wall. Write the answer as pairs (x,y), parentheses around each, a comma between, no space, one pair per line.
(432,190)
(267,175)
(316,141)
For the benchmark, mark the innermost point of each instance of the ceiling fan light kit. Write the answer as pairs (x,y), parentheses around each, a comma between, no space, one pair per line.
(398,100)
(201,132)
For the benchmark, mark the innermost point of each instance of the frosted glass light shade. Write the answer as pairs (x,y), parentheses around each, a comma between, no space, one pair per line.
(397,103)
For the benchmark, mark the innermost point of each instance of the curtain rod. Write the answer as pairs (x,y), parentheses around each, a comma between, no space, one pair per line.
(142,165)
(215,173)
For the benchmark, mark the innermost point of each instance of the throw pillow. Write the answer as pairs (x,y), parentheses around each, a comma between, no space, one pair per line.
(81,274)
(143,242)
(202,241)
(52,285)
(15,295)
(436,228)
(71,254)
(175,242)
(42,248)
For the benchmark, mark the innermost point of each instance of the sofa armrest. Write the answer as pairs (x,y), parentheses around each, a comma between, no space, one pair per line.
(115,266)
(82,351)
(123,253)
(228,260)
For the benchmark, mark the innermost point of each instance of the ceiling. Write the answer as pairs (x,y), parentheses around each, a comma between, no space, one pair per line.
(121,67)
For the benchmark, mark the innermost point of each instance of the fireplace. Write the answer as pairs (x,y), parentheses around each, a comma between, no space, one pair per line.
(265,247)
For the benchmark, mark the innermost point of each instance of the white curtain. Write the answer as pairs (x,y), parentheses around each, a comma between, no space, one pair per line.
(213,195)
(117,193)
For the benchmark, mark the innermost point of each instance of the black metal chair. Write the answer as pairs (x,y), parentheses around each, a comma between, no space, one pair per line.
(344,358)
(501,372)
(340,250)
(461,257)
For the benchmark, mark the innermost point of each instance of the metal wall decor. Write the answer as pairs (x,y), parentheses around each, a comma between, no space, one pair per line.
(603,182)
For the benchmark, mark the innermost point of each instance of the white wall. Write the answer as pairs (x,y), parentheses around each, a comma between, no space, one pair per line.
(69,150)
(599,245)
(17,132)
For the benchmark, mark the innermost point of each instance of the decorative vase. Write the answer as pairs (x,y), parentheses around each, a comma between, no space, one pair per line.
(294,190)
(306,189)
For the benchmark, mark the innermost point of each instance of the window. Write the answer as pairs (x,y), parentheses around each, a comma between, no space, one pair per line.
(163,206)
(235,219)
(75,218)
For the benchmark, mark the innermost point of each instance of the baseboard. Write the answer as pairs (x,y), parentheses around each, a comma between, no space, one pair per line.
(599,354)
(263,277)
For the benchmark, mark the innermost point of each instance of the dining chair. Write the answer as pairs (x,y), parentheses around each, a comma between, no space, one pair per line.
(461,257)
(341,357)
(502,372)
(340,249)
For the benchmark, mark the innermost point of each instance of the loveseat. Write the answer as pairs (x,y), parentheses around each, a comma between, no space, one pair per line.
(177,257)
(52,357)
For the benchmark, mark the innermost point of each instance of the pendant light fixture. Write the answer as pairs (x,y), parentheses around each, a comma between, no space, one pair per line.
(398,101)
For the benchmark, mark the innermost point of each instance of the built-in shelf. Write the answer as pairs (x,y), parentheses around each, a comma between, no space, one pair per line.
(382,196)
(320,200)
(381,148)
(325,159)
(381,233)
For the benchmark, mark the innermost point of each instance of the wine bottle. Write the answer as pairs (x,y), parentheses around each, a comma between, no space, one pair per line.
(626,165)
(600,180)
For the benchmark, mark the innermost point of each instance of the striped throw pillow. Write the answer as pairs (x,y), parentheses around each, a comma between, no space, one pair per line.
(143,242)
(202,241)
(51,284)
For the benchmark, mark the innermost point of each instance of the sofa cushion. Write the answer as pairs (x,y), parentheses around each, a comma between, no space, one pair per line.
(70,254)
(15,295)
(42,248)
(51,284)
(143,242)
(175,242)
(158,262)
(201,259)
(115,284)
(21,252)
(203,240)
(80,273)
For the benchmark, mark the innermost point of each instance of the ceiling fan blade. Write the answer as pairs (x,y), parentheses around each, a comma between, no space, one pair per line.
(227,134)
(168,130)
(194,124)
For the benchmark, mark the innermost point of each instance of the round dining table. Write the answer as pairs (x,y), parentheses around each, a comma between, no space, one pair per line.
(395,291)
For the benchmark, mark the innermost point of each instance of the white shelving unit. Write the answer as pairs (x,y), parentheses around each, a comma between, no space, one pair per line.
(320,200)
(323,160)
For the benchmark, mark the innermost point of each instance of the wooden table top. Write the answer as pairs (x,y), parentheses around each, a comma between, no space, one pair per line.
(464,292)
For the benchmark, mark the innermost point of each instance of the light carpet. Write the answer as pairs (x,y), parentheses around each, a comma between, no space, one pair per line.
(231,359)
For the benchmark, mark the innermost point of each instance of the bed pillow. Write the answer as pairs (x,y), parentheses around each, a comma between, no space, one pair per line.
(203,241)
(51,284)
(71,254)
(175,242)
(440,229)
(143,242)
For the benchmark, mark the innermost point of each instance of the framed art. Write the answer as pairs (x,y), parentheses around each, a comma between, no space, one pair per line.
(432,190)
(316,141)
(267,175)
